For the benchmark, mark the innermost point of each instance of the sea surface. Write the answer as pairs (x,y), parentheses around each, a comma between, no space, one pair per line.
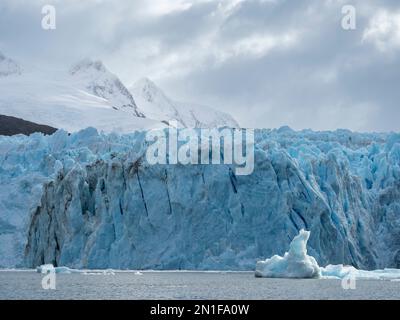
(186,285)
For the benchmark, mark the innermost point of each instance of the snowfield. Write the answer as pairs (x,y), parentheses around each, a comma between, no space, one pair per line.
(8,66)
(89,200)
(60,101)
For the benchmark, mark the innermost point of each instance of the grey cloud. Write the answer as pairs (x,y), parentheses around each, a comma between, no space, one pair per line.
(327,78)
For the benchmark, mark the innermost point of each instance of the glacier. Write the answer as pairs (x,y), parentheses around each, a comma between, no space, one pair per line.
(89,200)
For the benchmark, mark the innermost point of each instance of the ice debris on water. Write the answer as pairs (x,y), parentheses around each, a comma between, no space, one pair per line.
(298,264)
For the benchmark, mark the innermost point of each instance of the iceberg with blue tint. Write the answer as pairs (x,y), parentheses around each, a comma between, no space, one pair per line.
(49,268)
(294,264)
(297,264)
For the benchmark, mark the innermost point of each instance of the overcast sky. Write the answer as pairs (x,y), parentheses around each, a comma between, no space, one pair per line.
(267,62)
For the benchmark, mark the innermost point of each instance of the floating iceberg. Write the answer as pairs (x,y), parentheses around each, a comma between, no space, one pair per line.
(45,268)
(297,264)
(341,272)
(294,264)
(49,268)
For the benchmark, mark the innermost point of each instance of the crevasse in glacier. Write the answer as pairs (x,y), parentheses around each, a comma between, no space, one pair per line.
(90,200)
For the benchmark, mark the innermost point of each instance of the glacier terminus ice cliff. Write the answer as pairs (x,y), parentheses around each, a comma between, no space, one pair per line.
(90,200)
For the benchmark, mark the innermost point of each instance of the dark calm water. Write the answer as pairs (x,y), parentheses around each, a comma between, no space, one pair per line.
(186,285)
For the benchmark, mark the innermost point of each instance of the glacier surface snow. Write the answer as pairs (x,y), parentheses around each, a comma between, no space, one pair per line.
(90,200)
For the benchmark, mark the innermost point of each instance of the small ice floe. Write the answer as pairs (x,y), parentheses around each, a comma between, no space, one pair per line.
(49,268)
(107,272)
(91,273)
(297,264)
(138,273)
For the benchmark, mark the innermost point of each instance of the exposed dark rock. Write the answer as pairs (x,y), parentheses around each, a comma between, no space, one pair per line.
(10,126)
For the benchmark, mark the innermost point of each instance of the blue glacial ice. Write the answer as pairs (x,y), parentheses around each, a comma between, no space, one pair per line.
(90,201)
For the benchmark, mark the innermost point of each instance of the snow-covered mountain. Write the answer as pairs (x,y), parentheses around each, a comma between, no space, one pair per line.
(89,95)
(157,105)
(93,77)
(90,200)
